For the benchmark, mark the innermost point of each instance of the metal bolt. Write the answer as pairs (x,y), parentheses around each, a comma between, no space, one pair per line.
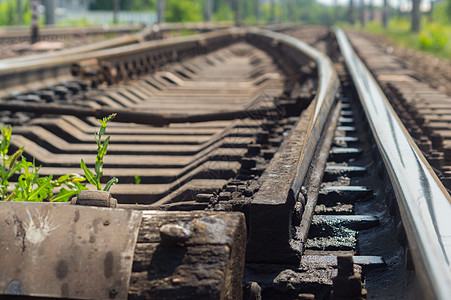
(252,291)
(347,285)
(172,234)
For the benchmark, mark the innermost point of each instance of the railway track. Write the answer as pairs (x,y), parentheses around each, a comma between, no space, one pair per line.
(16,41)
(266,171)
(70,41)
(12,35)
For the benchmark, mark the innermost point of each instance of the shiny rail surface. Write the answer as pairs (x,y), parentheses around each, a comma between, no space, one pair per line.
(424,203)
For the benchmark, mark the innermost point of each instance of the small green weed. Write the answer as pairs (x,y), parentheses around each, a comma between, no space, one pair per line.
(9,164)
(137,179)
(101,152)
(30,186)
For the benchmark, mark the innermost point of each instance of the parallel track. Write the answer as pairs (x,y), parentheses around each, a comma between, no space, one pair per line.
(276,131)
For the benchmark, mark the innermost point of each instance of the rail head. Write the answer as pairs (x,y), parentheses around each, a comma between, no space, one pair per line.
(423,201)
(270,231)
(325,98)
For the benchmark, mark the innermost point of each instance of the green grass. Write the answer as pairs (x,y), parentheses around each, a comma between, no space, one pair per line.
(31,186)
(434,38)
(102,149)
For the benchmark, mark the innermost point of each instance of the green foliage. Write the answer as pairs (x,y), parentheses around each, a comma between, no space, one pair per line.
(75,22)
(9,164)
(137,179)
(70,185)
(102,149)
(433,37)
(183,11)
(30,186)
(309,11)
(448,9)
(9,13)
(224,13)
(440,13)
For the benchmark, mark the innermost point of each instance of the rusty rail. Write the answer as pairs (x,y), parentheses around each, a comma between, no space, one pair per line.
(25,75)
(272,206)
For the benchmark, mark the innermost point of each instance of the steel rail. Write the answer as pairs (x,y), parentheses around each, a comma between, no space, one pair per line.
(325,98)
(15,78)
(142,34)
(111,43)
(49,62)
(423,202)
(24,31)
(22,73)
(269,204)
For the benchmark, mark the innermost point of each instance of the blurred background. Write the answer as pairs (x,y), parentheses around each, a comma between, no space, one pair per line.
(423,25)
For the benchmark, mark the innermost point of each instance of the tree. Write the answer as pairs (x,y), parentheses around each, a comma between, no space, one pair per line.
(12,14)
(385,13)
(416,16)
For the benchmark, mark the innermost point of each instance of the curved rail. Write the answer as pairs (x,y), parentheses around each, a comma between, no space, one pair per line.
(423,201)
(111,43)
(40,72)
(324,100)
(270,210)
(22,33)
(139,35)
